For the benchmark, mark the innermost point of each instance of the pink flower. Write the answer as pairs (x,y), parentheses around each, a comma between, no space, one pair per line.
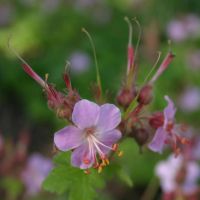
(169,170)
(193,60)
(93,133)
(176,31)
(79,62)
(167,177)
(169,132)
(35,172)
(181,29)
(190,99)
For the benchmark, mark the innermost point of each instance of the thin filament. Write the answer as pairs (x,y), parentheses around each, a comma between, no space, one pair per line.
(97,141)
(130,31)
(152,69)
(95,57)
(139,35)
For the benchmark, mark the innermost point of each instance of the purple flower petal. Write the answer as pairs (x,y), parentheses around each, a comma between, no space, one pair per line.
(35,171)
(68,138)
(170,110)
(158,141)
(82,154)
(109,117)
(109,138)
(85,114)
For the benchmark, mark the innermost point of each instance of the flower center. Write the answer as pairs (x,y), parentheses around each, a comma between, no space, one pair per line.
(97,147)
(89,131)
(170,126)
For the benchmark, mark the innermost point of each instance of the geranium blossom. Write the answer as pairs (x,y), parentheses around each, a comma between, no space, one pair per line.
(169,170)
(94,132)
(35,172)
(169,132)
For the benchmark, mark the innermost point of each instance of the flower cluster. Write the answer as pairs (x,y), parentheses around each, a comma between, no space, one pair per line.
(179,176)
(95,128)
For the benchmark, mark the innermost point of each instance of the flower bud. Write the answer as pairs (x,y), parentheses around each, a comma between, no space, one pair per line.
(156,120)
(66,104)
(141,136)
(145,95)
(125,97)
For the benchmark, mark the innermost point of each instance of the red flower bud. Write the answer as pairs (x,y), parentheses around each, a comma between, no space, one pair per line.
(156,120)
(125,97)
(145,95)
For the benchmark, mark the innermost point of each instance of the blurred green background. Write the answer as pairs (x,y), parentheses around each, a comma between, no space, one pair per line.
(46,33)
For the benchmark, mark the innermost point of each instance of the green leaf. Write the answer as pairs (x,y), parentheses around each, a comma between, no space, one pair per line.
(65,178)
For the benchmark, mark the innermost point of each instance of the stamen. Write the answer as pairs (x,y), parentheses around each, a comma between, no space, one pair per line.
(115,147)
(120,153)
(103,163)
(97,141)
(91,150)
(100,168)
(46,77)
(107,161)
(99,150)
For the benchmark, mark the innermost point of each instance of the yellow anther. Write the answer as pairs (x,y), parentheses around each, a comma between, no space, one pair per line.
(120,153)
(100,168)
(107,161)
(87,171)
(46,77)
(103,164)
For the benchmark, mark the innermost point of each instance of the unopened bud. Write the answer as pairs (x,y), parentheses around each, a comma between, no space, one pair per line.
(141,136)
(156,120)
(145,95)
(125,97)
(66,104)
